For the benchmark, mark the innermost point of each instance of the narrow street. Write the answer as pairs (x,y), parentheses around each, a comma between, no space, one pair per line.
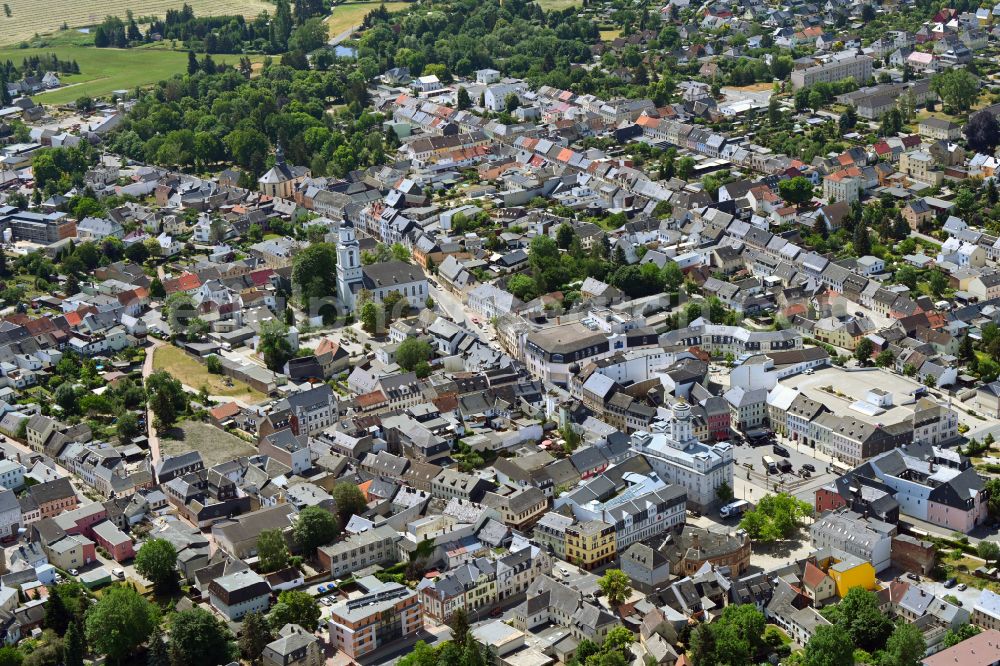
(147,370)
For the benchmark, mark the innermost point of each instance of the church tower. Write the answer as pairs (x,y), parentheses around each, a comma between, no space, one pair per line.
(348,264)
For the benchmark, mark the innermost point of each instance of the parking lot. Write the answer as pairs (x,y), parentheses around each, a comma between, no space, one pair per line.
(751,480)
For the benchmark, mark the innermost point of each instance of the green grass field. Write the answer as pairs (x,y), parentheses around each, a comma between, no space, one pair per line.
(350,14)
(192,373)
(559,5)
(215,445)
(104,70)
(31,17)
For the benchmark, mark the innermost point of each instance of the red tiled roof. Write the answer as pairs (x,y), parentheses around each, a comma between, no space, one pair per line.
(370,399)
(224,411)
(813,575)
(185,282)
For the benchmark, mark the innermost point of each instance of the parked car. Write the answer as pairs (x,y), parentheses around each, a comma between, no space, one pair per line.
(962,587)
(810,467)
(950,583)
(496,612)
(779,450)
(913,576)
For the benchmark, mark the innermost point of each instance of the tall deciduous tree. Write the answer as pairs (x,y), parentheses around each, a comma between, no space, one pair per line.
(958,88)
(295,607)
(119,622)
(314,527)
(830,645)
(272,551)
(982,133)
(198,638)
(616,586)
(349,499)
(157,561)
(859,615)
(254,637)
(905,647)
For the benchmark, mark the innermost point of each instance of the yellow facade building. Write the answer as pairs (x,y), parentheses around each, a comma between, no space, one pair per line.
(590,544)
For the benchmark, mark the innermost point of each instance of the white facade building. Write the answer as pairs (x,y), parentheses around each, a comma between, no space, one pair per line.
(679,458)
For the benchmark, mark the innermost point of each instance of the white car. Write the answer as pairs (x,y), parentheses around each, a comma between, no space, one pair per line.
(74,572)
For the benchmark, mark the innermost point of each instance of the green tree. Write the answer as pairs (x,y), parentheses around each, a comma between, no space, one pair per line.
(10,656)
(119,622)
(703,648)
(458,622)
(313,528)
(885,359)
(272,551)
(411,352)
(67,399)
(988,550)
(905,647)
(863,351)
(156,289)
(274,345)
(565,235)
(672,276)
(422,654)
(57,616)
(350,501)
(798,190)
(157,654)
(616,586)
(179,309)
(166,397)
(937,282)
(462,99)
(197,637)
(685,167)
(775,517)
(157,561)
(254,637)
(522,287)
(862,240)
(958,88)
(295,607)
(724,492)
(859,615)
(955,636)
(309,36)
(965,350)
(73,647)
(830,645)
(370,316)
(127,427)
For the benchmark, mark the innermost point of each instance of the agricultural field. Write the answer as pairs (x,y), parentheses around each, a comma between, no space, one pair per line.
(215,445)
(349,15)
(193,374)
(31,17)
(559,5)
(104,70)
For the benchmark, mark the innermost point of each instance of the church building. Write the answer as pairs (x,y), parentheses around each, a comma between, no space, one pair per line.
(379,279)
